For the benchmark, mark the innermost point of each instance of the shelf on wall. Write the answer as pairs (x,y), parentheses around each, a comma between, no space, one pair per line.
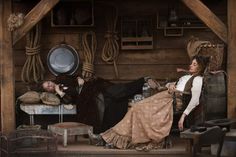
(136,33)
(135,43)
(177,31)
(184,27)
(173,31)
(73,14)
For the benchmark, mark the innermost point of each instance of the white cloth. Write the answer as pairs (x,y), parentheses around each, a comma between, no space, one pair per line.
(181,83)
(195,90)
(196,93)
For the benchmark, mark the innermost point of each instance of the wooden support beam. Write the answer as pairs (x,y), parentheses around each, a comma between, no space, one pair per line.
(208,17)
(7,71)
(1,39)
(231,64)
(33,17)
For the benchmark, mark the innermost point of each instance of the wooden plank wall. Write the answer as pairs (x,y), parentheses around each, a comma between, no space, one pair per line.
(160,63)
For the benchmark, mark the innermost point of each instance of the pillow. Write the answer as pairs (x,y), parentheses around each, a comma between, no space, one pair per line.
(30,97)
(49,98)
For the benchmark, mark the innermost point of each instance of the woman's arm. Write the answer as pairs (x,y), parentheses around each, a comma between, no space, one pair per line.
(196,92)
(65,97)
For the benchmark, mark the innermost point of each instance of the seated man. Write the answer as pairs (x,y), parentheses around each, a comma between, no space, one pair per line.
(100,103)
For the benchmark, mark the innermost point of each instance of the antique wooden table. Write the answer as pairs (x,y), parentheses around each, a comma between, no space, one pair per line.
(42,109)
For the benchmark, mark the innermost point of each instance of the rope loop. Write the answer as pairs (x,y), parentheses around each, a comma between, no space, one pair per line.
(111,35)
(89,48)
(110,51)
(32,50)
(33,69)
(88,67)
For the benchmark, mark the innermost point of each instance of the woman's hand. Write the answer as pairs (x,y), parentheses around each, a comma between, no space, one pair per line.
(80,81)
(171,87)
(59,91)
(181,70)
(57,88)
(181,122)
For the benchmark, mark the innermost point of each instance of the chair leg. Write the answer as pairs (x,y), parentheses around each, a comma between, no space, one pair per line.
(196,149)
(167,142)
(220,148)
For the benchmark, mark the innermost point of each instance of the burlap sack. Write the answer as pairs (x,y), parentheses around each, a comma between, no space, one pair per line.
(216,56)
(49,98)
(205,48)
(30,97)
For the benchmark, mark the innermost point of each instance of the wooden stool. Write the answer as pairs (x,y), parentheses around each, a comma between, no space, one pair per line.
(66,129)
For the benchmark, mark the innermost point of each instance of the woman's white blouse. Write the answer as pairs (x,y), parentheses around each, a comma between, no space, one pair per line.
(195,90)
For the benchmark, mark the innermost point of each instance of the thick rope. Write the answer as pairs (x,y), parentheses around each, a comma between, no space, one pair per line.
(33,69)
(15,20)
(110,51)
(89,49)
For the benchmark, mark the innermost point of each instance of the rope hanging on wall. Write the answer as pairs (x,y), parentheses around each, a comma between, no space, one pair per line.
(89,49)
(110,51)
(33,69)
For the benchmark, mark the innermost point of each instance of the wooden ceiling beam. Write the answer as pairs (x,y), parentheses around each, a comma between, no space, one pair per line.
(33,17)
(208,17)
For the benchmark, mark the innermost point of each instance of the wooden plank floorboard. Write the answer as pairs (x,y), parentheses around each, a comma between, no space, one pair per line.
(81,148)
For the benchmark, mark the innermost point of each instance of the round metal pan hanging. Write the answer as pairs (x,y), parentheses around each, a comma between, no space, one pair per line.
(63,59)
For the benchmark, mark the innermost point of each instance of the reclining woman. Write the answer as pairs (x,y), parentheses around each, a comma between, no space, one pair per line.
(99,103)
(150,120)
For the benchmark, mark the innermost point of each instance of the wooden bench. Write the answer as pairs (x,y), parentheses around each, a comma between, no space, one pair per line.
(66,129)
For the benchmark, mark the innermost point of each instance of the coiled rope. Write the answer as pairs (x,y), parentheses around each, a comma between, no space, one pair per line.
(33,69)
(110,51)
(89,49)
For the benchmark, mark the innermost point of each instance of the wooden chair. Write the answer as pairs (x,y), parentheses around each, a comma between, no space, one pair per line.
(215,135)
(3,147)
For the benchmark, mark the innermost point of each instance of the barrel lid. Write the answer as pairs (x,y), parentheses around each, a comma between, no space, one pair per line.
(221,122)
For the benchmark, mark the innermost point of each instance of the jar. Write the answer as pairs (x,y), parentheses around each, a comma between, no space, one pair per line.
(146,90)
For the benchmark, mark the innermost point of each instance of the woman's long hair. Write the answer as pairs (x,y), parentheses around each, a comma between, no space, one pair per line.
(202,63)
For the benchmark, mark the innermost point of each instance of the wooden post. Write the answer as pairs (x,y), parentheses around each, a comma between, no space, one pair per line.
(1,12)
(7,71)
(208,17)
(231,56)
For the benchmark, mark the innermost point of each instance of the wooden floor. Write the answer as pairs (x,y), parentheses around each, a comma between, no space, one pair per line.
(81,148)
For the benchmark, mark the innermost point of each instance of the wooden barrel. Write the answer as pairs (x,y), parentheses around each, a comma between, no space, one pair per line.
(215,96)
